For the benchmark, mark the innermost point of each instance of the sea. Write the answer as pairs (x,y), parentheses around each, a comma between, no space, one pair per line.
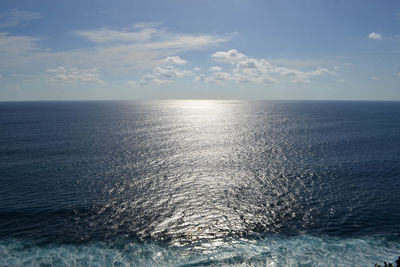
(199,183)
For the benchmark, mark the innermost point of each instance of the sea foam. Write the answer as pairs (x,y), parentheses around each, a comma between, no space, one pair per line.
(274,250)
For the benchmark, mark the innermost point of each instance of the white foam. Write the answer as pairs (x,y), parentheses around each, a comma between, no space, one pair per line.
(273,250)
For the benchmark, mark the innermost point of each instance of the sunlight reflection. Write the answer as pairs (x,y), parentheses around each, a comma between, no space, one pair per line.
(200,104)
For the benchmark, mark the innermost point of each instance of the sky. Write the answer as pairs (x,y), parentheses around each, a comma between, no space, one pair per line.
(199,49)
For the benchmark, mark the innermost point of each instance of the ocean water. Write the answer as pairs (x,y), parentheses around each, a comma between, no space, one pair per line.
(199,183)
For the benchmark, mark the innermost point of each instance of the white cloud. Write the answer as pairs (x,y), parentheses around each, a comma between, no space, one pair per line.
(300,63)
(175,60)
(142,47)
(216,77)
(107,35)
(200,78)
(267,80)
(170,72)
(117,52)
(164,75)
(186,42)
(1,77)
(254,64)
(60,69)
(215,69)
(222,76)
(16,45)
(301,76)
(318,72)
(131,83)
(232,56)
(152,79)
(146,24)
(145,49)
(398,74)
(253,70)
(61,74)
(374,36)
(246,69)
(374,78)
(15,17)
(286,71)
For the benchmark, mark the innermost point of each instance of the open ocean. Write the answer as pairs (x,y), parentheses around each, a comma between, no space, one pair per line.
(199,183)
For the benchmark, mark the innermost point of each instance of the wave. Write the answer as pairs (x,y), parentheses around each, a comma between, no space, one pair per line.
(272,250)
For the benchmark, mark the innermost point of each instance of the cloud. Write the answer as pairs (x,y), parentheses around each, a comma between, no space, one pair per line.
(254,64)
(146,24)
(232,56)
(374,36)
(253,67)
(185,42)
(131,83)
(253,70)
(140,48)
(15,17)
(1,77)
(151,37)
(301,76)
(374,78)
(200,78)
(144,49)
(61,74)
(398,74)
(217,77)
(300,63)
(267,80)
(318,72)
(16,45)
(215,69)
(60,69)
(152,79)
(170,72)
(175,60)
(107,36)
(246,69)
(243,73)
(222,76)
(164,75)
(287,72)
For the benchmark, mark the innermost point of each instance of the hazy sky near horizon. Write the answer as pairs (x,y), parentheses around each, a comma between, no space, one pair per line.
(235,49)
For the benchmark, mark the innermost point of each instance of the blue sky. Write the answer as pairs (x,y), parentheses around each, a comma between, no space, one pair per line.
(305,49)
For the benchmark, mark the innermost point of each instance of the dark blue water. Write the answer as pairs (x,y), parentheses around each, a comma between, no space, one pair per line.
(193,183)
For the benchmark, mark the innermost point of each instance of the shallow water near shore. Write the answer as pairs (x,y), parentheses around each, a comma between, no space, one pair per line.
(199,182)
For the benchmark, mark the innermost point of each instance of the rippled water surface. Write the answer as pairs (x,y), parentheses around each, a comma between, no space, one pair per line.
(199,182)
